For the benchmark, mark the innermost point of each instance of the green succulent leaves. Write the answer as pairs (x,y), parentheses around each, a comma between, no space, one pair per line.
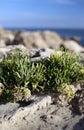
(18,71)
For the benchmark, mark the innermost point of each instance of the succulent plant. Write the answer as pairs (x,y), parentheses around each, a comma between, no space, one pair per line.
(62,68)
(52,74)
(21,94)
(66,92)
(1,88)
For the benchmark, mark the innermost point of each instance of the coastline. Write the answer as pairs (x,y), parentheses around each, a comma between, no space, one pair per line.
(63,32)
(41,39)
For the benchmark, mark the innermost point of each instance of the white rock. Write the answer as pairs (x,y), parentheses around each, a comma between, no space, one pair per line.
(46,53)
(2,43)
(73,46)
(42,102)
(7,49)
(44,39)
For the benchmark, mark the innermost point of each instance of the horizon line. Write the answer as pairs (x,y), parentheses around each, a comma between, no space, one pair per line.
(42,28)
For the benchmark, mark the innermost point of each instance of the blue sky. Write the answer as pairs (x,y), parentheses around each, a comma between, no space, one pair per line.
(42,13)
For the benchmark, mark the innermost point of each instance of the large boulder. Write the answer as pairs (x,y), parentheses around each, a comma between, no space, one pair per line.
(52,39)
(6,37)
(38,39)
(73,46)
(76,39)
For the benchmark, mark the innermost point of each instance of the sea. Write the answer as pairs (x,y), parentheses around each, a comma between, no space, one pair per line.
(70,33)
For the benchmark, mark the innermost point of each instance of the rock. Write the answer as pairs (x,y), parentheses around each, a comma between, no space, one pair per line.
(52,39)
(1,31)
(78,102)
(2,43)
(44,52)
(13,115)
(6,37)
(8,49)
(29,39)
(76,39)
(8,109)
(40,103)
(72,46)
(51,117)
(33,52)
(37,54)
(75,87)
(45,39)
(65,38)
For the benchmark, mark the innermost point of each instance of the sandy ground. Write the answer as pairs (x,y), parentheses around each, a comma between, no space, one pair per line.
(52,117)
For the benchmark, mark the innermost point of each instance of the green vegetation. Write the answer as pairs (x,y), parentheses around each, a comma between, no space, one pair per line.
(21,77)
(62,68)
